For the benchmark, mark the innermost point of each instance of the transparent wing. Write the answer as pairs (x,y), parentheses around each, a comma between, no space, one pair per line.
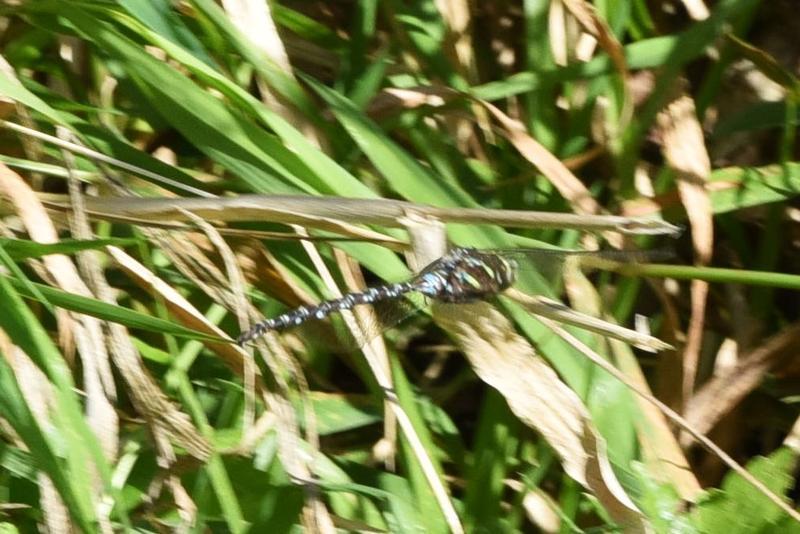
(550,263)
(384,315)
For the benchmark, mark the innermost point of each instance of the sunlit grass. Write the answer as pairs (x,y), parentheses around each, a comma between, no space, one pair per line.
(136,410)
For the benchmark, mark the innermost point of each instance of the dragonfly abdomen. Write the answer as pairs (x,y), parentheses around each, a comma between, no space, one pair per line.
(299,315)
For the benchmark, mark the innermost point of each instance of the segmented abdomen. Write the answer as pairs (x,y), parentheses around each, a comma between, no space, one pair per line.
(302,314)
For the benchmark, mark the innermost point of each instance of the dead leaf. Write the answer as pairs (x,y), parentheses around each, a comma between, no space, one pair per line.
(507,362)
(723,393)
(685,151)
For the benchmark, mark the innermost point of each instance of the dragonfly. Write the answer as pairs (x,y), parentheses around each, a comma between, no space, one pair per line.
(463,275)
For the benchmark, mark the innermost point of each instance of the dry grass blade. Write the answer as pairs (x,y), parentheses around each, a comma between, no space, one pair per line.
(254,19)
(348,233)
(570,187)
(557,311)
(684,149)
(365,315)
(98,379)
(102,158)
(456,14)
(157,210)
(180,308)
(189,256)
(721,394)
(697,9)
(334,214)
(234,357)
(38,392)
(675,417)
(375,353)
(147,397)
(586,15)
(660,448)
(508,363)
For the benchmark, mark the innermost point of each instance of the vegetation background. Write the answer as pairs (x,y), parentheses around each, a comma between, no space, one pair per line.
(130,258)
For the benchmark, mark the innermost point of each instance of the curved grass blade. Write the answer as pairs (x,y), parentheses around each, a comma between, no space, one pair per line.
(108,312)
(20,249)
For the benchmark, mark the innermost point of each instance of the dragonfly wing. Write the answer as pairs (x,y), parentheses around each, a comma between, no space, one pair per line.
(380,316)
(550,263)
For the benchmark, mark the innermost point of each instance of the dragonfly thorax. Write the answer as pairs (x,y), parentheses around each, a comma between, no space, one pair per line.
(466,275)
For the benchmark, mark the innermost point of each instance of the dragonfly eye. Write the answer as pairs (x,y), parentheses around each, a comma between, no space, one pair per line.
(507,272)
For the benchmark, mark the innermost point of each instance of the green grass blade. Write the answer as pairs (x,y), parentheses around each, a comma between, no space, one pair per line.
(109,312)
